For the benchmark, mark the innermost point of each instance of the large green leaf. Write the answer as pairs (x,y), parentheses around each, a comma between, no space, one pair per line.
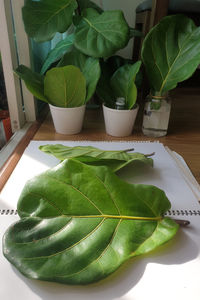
(171,52)
(80,223)
(94,156)
(56,53)
(123,83)
(89,66)
(33,81)
(65,87)
(43,18)
(101,35)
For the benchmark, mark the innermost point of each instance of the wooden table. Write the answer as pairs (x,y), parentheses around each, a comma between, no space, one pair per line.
(183,134)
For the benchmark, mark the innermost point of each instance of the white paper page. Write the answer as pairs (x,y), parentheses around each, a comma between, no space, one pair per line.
(171,272)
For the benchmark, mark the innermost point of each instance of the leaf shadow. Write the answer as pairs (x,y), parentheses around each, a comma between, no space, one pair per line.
(139,172)
(178,251)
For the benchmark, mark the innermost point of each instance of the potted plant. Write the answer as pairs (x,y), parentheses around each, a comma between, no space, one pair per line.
(117,88)
(171,54)
(96,35)
(64,89)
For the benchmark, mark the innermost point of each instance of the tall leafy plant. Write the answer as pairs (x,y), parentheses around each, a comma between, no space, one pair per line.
(171,53)
(97,34)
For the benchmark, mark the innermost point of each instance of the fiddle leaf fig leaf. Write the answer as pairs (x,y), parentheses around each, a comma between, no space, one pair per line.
(33,81)
(101,35)
(43,18)
(56,53)
(123,83)
(116,160)
(171,52)
(65,87)
(81,223)
(89,66)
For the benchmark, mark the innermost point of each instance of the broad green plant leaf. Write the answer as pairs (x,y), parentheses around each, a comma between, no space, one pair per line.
(171,52)
(80,223)
(116,160)
(123,83)
(56,53)
(43,18)
(89,66)
(65,87)
(101,35)
(33,81)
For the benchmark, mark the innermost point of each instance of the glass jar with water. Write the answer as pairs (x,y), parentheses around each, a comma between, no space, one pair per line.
(156,115)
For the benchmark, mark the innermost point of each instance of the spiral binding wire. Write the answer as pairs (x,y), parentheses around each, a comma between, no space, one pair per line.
(183,213)
(9,212)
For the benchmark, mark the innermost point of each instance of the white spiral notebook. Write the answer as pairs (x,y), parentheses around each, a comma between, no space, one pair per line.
(171,272)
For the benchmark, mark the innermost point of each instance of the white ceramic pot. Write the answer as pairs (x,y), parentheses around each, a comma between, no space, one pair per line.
(67,120)
(119,123)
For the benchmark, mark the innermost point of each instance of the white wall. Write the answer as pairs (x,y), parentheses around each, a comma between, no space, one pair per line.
(128,7)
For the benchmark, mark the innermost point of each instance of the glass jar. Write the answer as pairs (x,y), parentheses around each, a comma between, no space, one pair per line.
(156,115)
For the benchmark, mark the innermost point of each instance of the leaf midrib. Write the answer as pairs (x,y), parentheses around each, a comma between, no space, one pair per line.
(174,62)
(56,13)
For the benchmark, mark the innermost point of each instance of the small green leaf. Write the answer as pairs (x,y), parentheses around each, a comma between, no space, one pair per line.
(94,156)
(123,83)
(33,81)
(56,53)
(65,87)
(101,35)
(43,18)
(89,66)
(81,223)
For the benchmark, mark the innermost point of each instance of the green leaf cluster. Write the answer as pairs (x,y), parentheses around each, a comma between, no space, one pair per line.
(119,78)
(79,223)
(97,34)
(171,52)
(62,87)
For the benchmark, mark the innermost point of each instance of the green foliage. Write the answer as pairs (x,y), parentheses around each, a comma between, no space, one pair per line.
(34,82)
(123,83)
(120,84)
(106,33)
(42,19)
(65,87)
(89,66)
(94,156)
(97,34)
(80,223)
(62,87)
(171,52)
(56,53)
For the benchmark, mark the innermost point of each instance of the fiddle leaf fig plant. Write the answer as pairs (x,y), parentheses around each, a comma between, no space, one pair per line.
(95,34)
(121,83)
(61,87)
(80,223)
(115,160)
(171,53)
